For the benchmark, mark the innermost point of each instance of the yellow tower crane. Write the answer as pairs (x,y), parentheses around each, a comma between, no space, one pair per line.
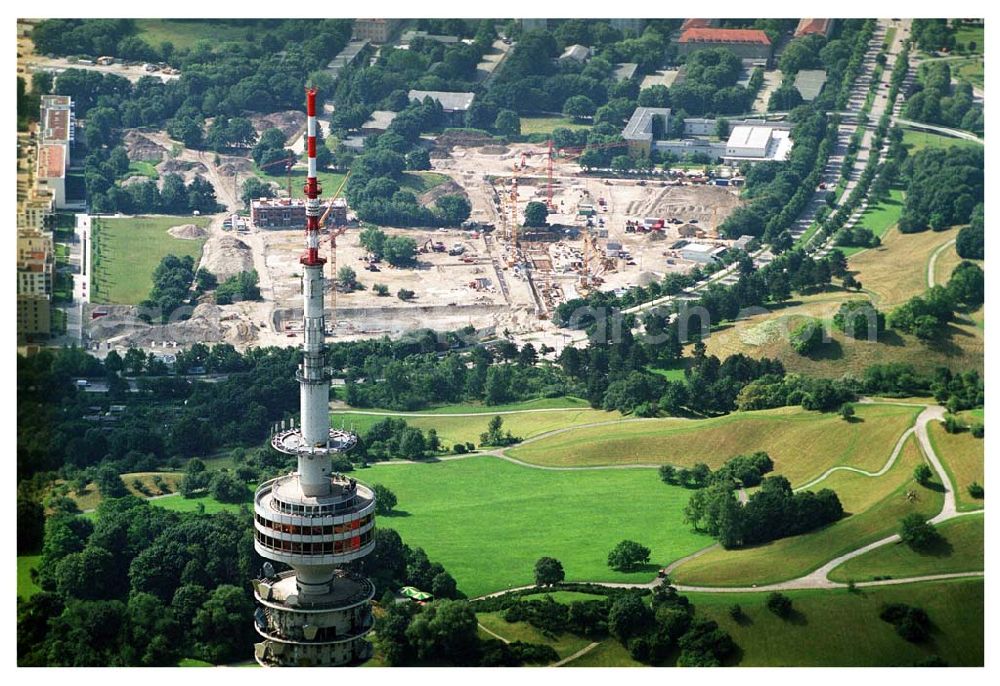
(334,232)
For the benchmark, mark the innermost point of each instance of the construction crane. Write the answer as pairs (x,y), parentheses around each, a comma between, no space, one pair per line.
(334,232)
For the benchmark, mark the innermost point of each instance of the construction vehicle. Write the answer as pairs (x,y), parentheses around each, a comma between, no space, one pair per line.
(456,250)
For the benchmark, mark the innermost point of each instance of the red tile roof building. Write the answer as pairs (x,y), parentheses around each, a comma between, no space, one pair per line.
(806,27)
(745,43)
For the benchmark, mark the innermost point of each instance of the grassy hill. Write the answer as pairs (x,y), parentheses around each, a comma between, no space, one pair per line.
(843,629)
(452,429)
(874,506)
(963,551)
(890,275)
(487,520)
(962,455)
(802,444)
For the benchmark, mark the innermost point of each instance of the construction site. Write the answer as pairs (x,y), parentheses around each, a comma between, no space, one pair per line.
(605,232)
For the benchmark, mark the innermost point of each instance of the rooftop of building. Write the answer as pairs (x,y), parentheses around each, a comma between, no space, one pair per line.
(51,161)
(287,202)
(576,52)
(699,24)
(809,26)
(625,70)
(411,34)
(809,82)
(640,125)
(706,248)
(452,102)
(57,122)
(380,120)
(713,35)
(346,590)
(56,101)
(749,136)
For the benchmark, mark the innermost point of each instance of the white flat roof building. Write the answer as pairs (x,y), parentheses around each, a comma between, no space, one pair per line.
(758,143)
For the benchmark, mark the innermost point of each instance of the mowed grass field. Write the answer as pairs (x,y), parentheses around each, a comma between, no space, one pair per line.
(25,586)
(962,455)
(915,140)
(131,248)
(185,33)
(879,217)
(487,520)
(963,552)
(802,444)
(874,506)
(561,403)
(549,124)
(452,429)
(838,628)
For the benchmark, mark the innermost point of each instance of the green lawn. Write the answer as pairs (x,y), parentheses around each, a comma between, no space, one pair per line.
(421,182)
(610,653)
(25,586)
(548,124)
(962,455)
(879,217)
(874,507)
(452,429)
(129,251)
(565,644)
(487,521)
(971,70)
(184,33)
(329,181)
(967,33)
(963,552)
(802,444)
(179,503)
(567,402)
(674,373)
(838,628)
(143,169)
(916,141)
(191,662)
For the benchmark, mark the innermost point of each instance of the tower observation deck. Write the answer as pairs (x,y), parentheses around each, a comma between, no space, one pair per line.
(313,520)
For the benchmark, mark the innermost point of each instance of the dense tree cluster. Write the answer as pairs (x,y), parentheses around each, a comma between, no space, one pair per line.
(859,319)
(943,188)
(773,512)
(941,102)
(263,71)
(141,586)
(172,280)
(399,251)
(742,470)
(932,35)
(242,286)
(970,242)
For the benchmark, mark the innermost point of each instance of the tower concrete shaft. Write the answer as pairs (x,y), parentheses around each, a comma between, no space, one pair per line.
(313,520)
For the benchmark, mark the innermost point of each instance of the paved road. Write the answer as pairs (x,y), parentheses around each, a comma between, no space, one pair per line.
(954,133)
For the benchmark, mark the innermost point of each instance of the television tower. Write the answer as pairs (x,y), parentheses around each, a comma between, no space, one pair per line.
(313,520)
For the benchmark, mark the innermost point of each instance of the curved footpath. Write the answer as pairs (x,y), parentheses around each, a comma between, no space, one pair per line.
(818,577)
(932,263)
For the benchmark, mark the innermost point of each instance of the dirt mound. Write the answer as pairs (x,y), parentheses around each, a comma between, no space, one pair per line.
(233,165)
(494,150)
(187,231)
(449,187)
(180,166)
(227,256)
(142,149)
(290,122)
